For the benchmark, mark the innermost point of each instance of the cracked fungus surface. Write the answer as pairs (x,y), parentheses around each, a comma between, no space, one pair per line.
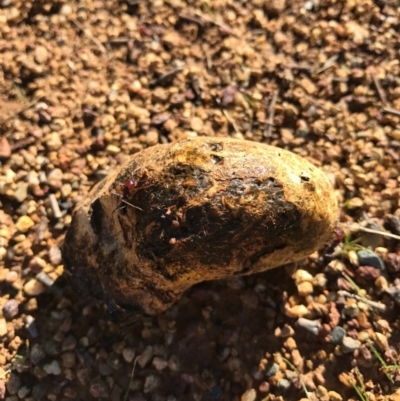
(199,209)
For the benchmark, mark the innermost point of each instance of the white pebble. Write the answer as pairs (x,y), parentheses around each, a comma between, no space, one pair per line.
(305,288)
(302,275)
(249,395)
(3,327)
(297,311)
(34,288)
(52,368)
(24,224)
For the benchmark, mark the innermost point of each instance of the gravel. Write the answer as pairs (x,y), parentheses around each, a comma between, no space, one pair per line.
(85,85)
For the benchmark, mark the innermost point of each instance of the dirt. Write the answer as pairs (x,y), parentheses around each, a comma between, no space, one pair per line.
(84,85)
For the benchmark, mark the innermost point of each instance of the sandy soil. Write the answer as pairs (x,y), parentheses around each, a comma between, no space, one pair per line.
(85,84)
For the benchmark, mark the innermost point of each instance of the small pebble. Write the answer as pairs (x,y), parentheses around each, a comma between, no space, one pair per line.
(30,325)
(196,124)
(99,388)
(114,150)
(228,95)
(55,256)
(173,363)
(297,311)
(104,369)
(2,389)
(367,257)
(53,141)
(37,264)
(363,336)
(353,258)
(41,54)
(52,368)
(24,224)
(30,305)
(23,392)
(249,395)
(3,327)
(264,387)
(337,334)
(271,369)
(354,203)
(55,207)
(320,280)
(66,190)
(305,288)
(65,9)
(68,359)
(34,288)
(301,275)
(382,341)
(128,354)
(45,279)
(10,309)
(3,252)
(351,308)
(394,292)
(333,396)
(283,384)
(290,344)
(308,5)
(21,192)
(151,383)
(39,391)
(368,273)
(5,148)
(69,343)
(145,357)
(36,354)
(14,383)
(393,262)
(152,137)
(311,326)
(349,344)
(159,363)
(336,266)
(287,331)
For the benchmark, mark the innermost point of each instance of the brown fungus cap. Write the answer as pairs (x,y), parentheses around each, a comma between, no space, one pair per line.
(198,209)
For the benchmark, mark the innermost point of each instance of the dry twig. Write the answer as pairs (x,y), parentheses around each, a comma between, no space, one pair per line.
(165,77)
(379,88)
(89,34)
(376,305)
(230,120)
(328,64)
(391,110)
(383,233)
(271,115)
(200,19)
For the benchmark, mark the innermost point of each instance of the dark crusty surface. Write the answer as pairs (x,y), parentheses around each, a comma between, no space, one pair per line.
(202,209)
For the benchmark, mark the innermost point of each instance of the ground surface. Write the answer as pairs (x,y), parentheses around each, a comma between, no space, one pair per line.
(85,84)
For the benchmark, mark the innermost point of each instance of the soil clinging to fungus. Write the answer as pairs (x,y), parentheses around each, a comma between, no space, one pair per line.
(197,209)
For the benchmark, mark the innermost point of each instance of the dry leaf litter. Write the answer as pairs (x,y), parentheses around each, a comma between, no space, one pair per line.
(85,84)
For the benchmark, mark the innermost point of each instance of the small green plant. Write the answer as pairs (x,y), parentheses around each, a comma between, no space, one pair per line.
(351,245)
(388,370)
(126,395)
(207,9)
(357,383)
(352,282)
(19,93)
(18,360)
(299,377)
